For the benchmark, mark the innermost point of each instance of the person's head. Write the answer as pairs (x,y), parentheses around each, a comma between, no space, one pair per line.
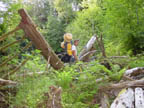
(67,37)
(76,42)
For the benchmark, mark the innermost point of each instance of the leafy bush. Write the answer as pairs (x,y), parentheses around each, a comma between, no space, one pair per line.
(31,91)
(87,23)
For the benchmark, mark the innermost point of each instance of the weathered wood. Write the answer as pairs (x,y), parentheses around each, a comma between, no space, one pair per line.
(134,71)
(125,99)
(11,32)
(87,48)
(104,101)
(101,45)
(123,85)
(30,74)
(52,98)
(6,82)
(38,40)
(87,55)
(139,98)
(119,57)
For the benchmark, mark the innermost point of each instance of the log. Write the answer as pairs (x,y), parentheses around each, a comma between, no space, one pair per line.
(139,98)
(125,99)
(6,82)
(134,71)
(38,40)
(87,48)
(30,74)
(104,101)
(123,85)
(119,57)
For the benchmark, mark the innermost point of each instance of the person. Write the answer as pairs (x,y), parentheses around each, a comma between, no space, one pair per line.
(67,46)
(74,51)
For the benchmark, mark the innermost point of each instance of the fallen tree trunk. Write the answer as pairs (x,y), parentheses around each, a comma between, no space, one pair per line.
(125,99)
(134,71)
(123,85)
(139,98)
(38,40)
(6,82)
(87,48)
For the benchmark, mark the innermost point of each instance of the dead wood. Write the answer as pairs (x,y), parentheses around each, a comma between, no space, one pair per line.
(119,57)
(30,74)
(134,72)
(16,69)
(52,98)
(88,47)
(139,98)
(38,40)
(126,84)
(125,99)
(104,101)
(11,57)
(6,82)
(101,45)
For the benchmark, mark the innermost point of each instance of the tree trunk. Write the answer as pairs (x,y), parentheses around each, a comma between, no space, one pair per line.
(38,40)
(125,99)
(139,98)
(84,54)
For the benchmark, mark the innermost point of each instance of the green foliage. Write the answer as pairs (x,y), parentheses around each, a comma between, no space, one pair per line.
(123,25)
(64,10)
(136,62)
(54,33)
(82,89)
(86,24)
(64,78)
(31,91)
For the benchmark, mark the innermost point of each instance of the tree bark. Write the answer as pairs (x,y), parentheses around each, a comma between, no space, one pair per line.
(123,85)
(101,45)
(125,99)
(84,55)
(38,40)
(139,98)
(6,82)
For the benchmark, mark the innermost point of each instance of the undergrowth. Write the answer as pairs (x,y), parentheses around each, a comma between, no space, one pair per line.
(78,82)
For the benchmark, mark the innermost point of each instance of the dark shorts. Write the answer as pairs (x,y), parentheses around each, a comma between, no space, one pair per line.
(66,58)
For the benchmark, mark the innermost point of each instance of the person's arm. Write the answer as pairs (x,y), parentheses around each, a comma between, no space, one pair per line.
(74,54)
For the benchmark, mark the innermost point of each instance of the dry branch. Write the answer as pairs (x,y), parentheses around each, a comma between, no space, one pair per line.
(134,71)
(85,51)
(6,82)
(30,74)
(11,32)
(10,58)
(104,101)
(101,45)
(119,57)
(10,44)
(123,85)
(16,69)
